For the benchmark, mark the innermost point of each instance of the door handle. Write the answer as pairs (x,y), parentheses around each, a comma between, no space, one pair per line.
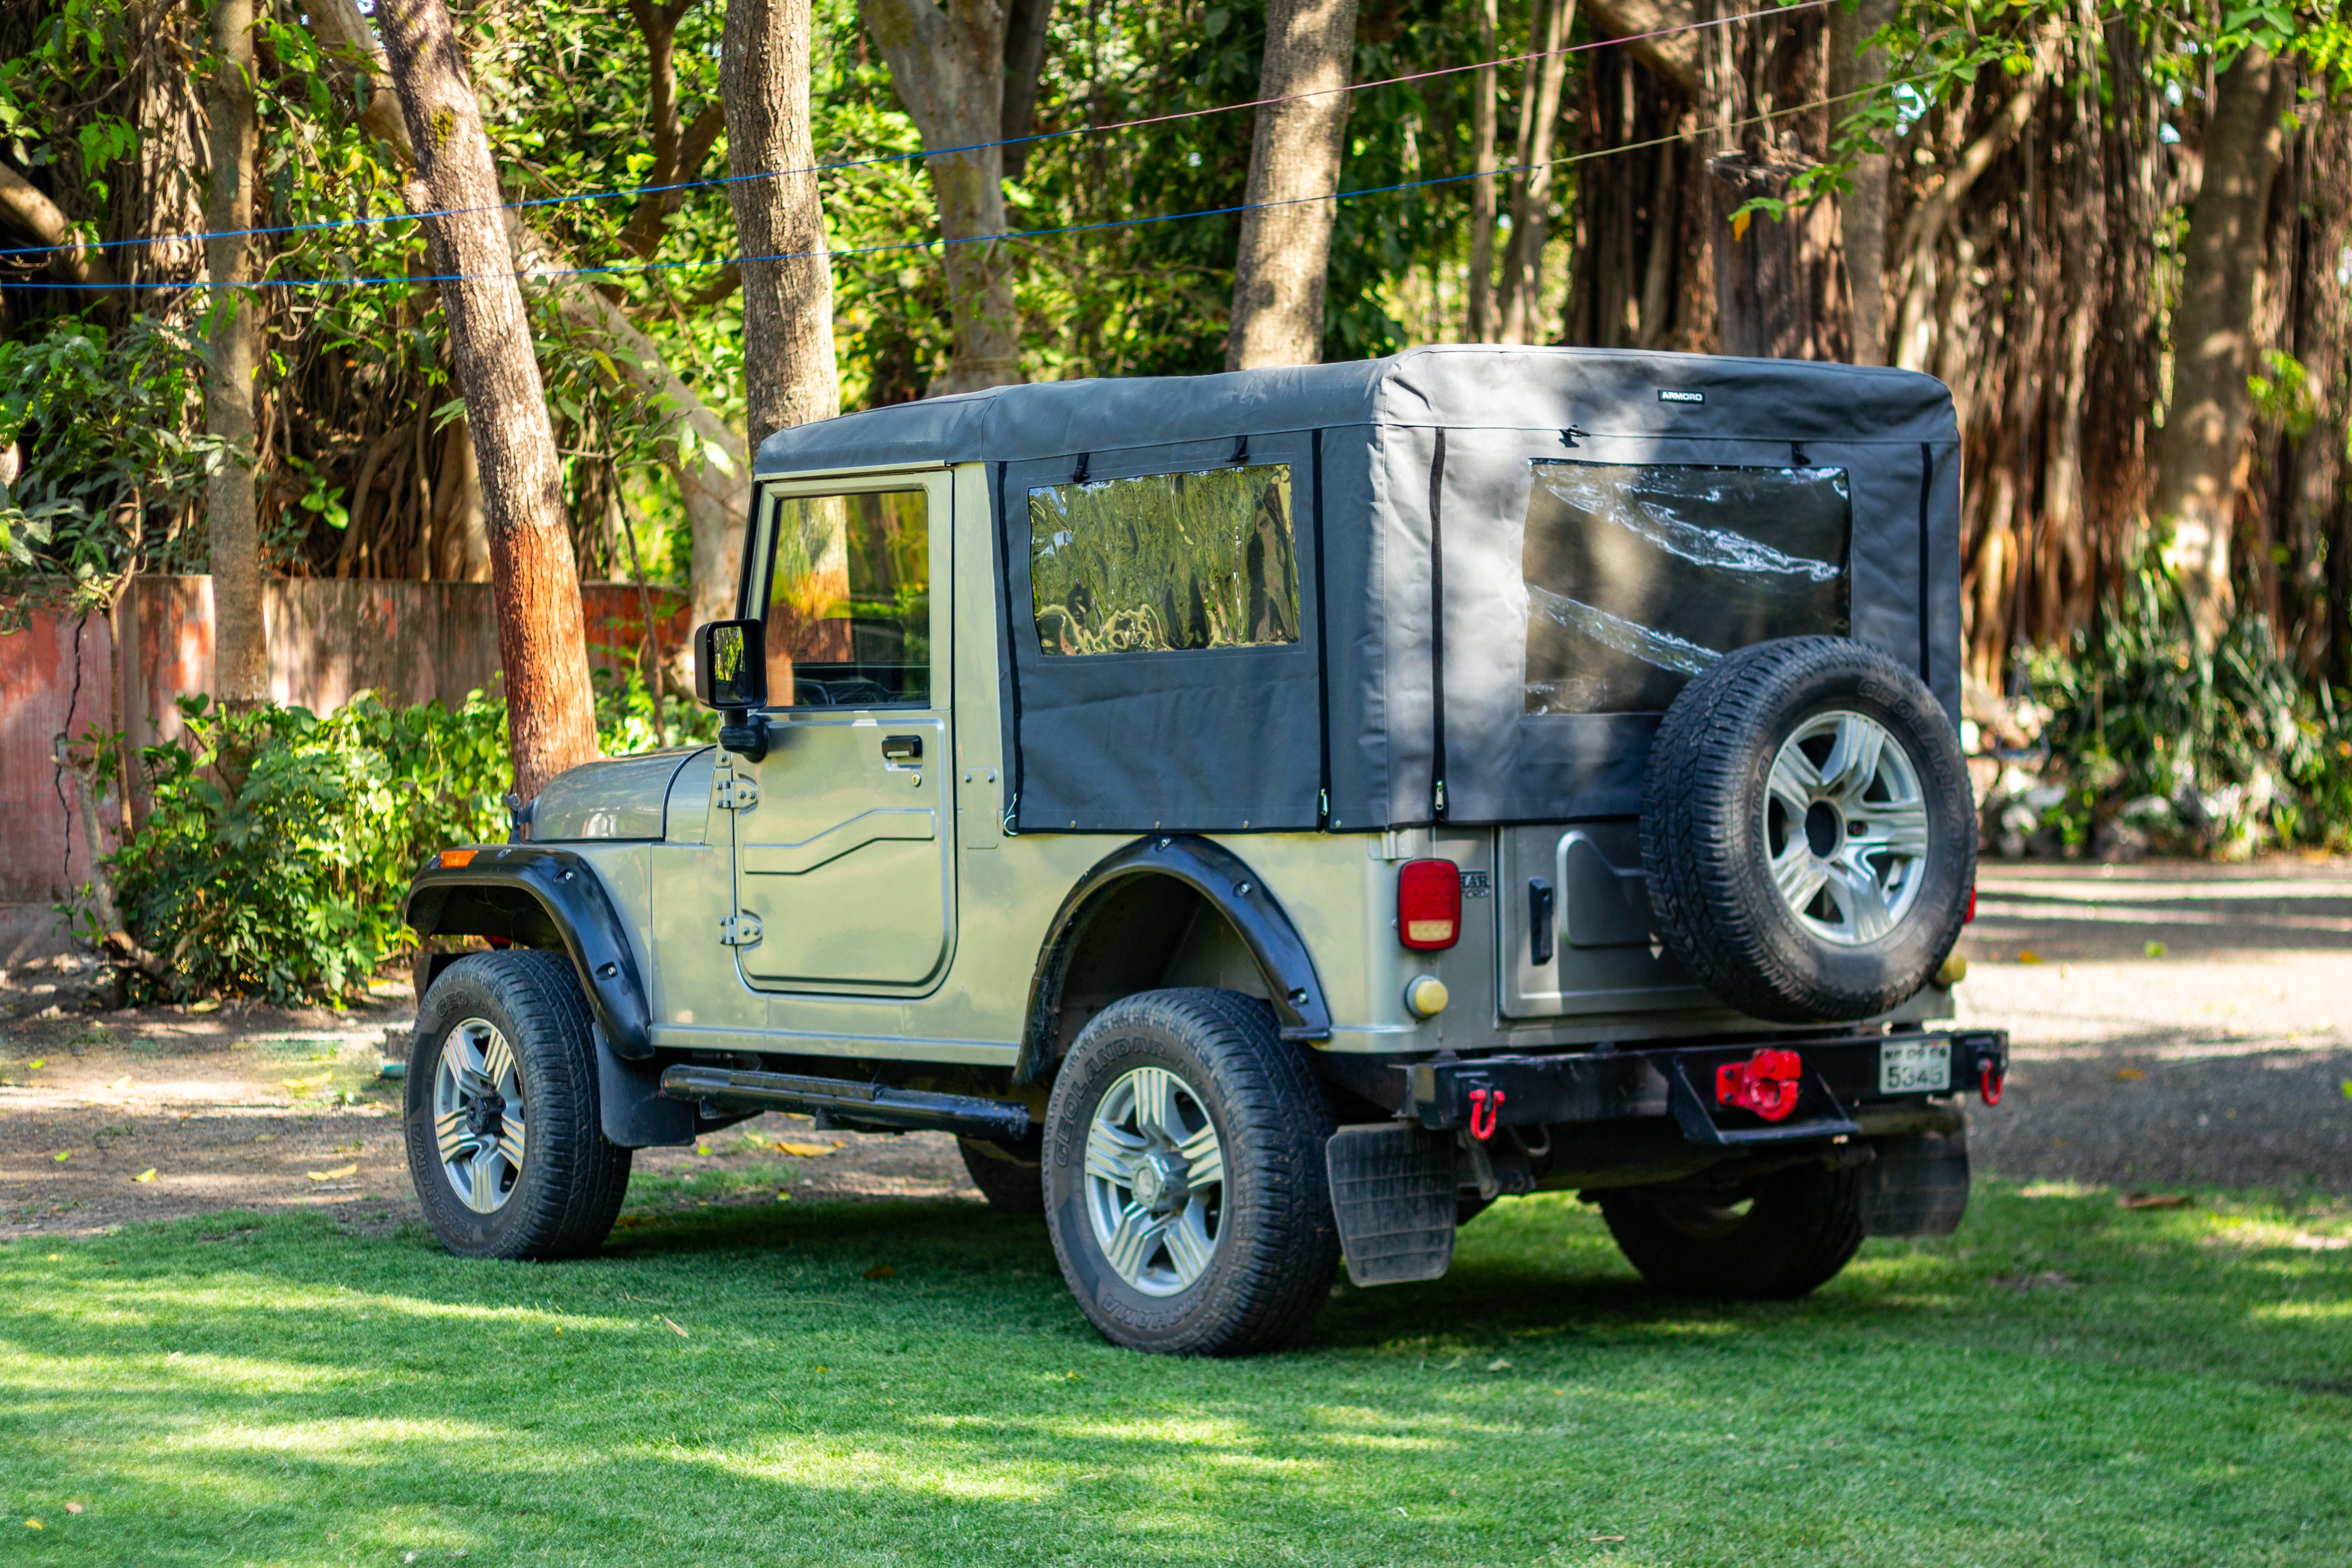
(902,748)
(1539,922)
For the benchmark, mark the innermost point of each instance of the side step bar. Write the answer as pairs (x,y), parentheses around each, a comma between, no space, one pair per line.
(837,1102)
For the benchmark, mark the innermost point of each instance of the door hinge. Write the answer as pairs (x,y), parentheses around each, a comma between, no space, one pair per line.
(737,792)
(738,931)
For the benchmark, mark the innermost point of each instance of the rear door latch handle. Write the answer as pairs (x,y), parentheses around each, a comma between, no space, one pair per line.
(902,748)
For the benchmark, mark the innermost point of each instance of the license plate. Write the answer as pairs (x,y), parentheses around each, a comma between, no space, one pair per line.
(1915,1067)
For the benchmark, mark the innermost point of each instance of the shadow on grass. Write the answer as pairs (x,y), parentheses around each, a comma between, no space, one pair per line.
(2062,1382)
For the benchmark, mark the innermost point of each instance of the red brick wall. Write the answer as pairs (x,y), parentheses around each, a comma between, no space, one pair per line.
(328,638)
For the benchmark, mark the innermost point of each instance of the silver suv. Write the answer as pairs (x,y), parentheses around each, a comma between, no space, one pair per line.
(1267,817)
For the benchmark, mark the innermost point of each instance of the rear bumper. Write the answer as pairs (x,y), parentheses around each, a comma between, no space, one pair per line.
(1841,1077)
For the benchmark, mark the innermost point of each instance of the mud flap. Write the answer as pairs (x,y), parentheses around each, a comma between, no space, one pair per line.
(629,1102)
(1392,1192)
(1918,1185)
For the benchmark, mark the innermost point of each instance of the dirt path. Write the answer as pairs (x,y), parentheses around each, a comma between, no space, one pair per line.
(2222,1059)
(160,1112)
(2173,1023)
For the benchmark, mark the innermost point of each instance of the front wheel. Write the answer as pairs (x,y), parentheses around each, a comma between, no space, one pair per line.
(1184,1177)
(505,1143)
(1775,1236)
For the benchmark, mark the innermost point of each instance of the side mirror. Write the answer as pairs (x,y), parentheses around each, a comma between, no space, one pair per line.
(730,674)
(730,664)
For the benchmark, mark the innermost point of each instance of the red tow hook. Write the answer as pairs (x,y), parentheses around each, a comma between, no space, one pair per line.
(1767,1083)
(1486,1105)
(1991,1083)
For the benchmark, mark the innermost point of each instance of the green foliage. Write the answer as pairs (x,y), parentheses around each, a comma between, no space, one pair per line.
(629,719)
(279,843)
(101,423)
(2286,394)
(1165,561)
(2220,751)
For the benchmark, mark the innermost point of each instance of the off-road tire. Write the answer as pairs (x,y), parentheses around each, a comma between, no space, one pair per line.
(1707,865)
(1010,1183)
(572,1181)
(1802,1227)
(1277,1244)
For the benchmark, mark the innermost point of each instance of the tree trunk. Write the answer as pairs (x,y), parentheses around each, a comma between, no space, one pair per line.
(678,149)
(1026,27)
(1862,212)
(788,365)
(1776,285)
(2204,435)
(2313,494)
(240,652)
(948,66)
(1481,327)
(1531,189)
(535,585)
(1285,243)
(714,478)
(1641,272)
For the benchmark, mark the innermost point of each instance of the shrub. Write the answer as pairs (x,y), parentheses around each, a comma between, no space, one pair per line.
(279,843)
(2208,754)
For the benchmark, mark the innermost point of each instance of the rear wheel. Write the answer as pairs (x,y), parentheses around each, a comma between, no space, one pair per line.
(1010,1183)
(1775,1236)
(1185,1186)
(505,1143)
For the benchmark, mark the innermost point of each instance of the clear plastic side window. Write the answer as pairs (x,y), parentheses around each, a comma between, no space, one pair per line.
(1164,562)
(848,606)
(1641,575)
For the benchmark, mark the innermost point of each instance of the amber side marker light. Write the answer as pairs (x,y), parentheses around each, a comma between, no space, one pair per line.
(452,860)
(1429,905)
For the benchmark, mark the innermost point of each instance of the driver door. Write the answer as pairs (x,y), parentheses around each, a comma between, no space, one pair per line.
(842,844)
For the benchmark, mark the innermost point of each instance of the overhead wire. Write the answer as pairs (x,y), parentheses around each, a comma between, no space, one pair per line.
(618,193)
(623,269)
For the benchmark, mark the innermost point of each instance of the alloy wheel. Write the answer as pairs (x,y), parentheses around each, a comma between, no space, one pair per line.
(479,1115)
(1155,1182)
(1845,827)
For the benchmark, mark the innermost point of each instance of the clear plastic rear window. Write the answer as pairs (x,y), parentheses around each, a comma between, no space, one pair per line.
(1641,575)
(1164,562)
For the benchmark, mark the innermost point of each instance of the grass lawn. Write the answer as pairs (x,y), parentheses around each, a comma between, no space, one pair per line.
(2064,1381)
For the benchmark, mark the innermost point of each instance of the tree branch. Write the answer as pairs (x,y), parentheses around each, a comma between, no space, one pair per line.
(22,202)
(1674,57)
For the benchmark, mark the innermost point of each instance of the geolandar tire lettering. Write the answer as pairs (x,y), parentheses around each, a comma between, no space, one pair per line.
(1184,1179)
(503,1136)
(1808,832)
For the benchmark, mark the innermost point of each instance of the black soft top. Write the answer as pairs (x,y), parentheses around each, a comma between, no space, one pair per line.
(1409,471)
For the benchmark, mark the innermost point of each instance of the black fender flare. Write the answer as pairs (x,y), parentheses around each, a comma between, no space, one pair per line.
(1219,876)
(528,893)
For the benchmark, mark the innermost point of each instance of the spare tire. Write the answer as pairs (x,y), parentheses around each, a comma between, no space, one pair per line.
(1808,831)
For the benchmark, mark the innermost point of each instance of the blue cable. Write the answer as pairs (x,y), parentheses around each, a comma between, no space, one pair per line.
(852,163)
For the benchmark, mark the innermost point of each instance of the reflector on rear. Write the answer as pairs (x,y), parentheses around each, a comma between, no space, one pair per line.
(1429,905)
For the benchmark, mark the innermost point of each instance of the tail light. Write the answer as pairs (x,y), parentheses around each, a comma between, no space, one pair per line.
(1429,905)
(1972,905)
